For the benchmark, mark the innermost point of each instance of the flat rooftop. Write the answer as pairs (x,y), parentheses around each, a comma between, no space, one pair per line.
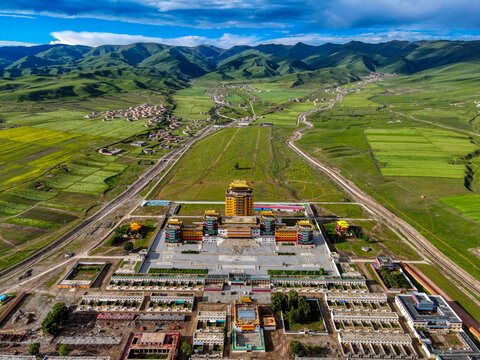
(239,220)
(442,311)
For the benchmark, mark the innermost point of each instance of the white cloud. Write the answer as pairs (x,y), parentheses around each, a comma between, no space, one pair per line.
(15,43)
(168,5)
(98,38)
(16,16)
(368,37)
(228,40)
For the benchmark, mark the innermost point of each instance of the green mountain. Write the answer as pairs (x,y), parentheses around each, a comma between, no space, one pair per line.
(176,65)
(87,84)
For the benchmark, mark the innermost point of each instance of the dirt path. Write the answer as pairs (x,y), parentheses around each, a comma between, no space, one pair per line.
(437,125)
(267,175)
(255,155)
(219,156)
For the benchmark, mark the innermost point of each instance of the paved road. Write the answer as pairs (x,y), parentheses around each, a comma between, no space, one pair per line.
(380,211)
(168,160)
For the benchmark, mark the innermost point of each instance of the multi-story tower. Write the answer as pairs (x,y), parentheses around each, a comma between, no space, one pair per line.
(173,231)
(239,199)
(210,223)
(304,232)
(267,223)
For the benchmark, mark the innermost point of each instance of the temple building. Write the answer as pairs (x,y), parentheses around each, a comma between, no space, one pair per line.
(239,223)
(239,199)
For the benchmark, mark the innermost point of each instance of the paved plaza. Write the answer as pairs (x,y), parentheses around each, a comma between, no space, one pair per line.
(239,255)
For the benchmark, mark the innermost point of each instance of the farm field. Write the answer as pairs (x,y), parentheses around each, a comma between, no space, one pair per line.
(190,102)
(26,152)
(287,117)
(419,152)
(275,174)
(364,138)
(50,172)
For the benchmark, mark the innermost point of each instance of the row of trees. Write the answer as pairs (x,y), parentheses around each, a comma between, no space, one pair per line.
(295,308)
(34,349)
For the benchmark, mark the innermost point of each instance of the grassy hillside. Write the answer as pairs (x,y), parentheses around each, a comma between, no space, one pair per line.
(92,83)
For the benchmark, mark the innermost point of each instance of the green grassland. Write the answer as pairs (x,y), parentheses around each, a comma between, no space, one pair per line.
(400,162)
(288,116)
(190,102)
(382,241)
(273,170)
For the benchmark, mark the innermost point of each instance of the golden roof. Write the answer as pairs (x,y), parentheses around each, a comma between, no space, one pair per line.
(239,184)
(304,223)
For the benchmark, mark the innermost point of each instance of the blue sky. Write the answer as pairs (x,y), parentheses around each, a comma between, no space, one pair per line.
(226,23)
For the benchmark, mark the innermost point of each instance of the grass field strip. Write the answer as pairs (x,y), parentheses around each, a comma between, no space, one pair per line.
(419,152)
(468,204)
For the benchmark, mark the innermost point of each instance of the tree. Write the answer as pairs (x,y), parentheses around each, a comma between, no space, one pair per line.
(187,349)
(128,246)
(63,350)
(34,349)
(292,299)
(303,311)
(56,318)
(297,348)
(279,302)
(293,316)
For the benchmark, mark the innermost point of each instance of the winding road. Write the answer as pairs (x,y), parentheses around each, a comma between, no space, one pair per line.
(379,210)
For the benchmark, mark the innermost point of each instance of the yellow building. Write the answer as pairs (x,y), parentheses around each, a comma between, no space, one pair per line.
(246,315)
(239,199)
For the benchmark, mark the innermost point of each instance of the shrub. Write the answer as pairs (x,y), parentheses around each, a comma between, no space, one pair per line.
(186,349)
(34,349)
(63,350)
(128,246)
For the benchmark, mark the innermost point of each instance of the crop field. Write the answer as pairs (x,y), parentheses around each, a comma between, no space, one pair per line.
(50,171)
(469,205)
(191,102)
(244,153)
(85,175)
(287,117)
(419,152)
(27,152)
(273,95)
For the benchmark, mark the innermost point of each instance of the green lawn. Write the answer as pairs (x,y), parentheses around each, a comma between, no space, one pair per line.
(276,174)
